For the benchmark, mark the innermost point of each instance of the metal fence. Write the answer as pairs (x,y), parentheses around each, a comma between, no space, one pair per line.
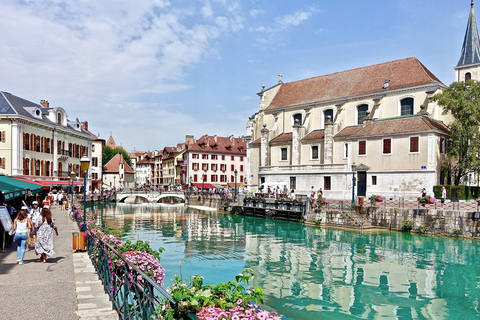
(133,294)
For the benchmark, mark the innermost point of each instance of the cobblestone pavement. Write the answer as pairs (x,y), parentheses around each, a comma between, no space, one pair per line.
(64,288)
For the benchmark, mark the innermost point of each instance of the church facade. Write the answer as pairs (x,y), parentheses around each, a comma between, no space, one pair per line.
(377,128)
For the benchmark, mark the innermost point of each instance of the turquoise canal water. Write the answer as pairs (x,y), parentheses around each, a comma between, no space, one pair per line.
(314,273)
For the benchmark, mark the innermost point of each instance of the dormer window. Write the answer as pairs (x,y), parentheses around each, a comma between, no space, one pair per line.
(59,118)
(468,76)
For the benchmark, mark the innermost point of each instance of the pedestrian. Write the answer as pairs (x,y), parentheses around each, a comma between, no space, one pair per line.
(312,192)
(424,193)
(444,195)
(22,225)
(320,193)
(44,244)
(35,220)
(46,202)
(292,193)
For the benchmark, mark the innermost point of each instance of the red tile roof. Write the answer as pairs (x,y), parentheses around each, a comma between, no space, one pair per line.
(212,144)
(402,73)
(282,137)
(258,141)
(409,124)
(114,164)
(315,134)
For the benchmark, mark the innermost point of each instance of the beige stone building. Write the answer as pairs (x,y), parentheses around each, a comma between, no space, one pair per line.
(377,123)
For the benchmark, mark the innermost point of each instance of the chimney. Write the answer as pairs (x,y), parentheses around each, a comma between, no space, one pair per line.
(85,125)
(45,103)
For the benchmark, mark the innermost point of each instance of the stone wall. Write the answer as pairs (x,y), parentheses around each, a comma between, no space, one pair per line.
(439,222)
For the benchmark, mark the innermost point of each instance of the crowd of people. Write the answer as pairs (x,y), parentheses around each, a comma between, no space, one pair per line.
(34,226)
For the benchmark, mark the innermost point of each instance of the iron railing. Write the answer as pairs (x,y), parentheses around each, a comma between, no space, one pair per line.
(134,295)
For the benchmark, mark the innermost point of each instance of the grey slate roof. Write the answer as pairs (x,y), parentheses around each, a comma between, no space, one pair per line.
(13,105)
(471,45)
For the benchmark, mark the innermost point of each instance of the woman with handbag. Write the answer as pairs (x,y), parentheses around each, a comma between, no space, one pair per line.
(44,244)
(22,225)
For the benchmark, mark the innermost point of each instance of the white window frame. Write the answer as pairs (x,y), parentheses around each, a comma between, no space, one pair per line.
(345,150)
(318,152)
(391,146)
(399,103)
(409,142)
(358,148)
(280,154)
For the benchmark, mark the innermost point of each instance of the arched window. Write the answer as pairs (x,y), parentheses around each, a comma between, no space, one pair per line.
(406,107)
(59,118)
(468,76)
(297,118)
(361,113)
(326,114)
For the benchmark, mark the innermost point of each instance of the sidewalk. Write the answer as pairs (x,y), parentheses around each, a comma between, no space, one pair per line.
(64,288)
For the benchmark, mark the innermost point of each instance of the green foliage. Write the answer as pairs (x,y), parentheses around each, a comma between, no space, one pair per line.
(190,297)
(140,246)
(422,228)
(457,231)
(462,100)
(407,225)
(317,221)
(109,153)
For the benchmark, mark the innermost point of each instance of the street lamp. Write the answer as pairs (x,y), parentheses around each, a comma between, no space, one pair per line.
(72,176)
(235,172)
(203,182)
(85,163)
(353,184)
(114,177)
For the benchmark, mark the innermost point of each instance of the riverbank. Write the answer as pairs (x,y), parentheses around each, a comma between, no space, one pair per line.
(64,288)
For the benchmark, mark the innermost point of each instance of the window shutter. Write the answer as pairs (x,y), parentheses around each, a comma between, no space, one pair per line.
(3,136)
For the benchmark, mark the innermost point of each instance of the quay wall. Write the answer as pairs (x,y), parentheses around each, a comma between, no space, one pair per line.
(431,221)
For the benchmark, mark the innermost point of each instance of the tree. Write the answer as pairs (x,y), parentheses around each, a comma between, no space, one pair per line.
(462,100)
(109,153)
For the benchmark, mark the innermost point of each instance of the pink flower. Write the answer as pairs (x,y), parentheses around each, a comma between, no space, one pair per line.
(239,301)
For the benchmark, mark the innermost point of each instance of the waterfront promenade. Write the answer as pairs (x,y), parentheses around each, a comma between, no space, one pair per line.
(64,288)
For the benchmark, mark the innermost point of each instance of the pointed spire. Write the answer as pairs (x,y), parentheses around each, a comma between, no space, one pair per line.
(471,45)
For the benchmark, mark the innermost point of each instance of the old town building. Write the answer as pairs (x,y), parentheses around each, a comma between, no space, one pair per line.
(39,142)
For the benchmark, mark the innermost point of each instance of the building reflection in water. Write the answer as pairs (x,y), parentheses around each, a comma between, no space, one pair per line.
(312,273)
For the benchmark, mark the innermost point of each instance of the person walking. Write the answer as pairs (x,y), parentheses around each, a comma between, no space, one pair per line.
(21,225)
(444,195)
(44,244)
(35,220)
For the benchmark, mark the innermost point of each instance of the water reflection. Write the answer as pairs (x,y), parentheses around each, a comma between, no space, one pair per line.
(313,273)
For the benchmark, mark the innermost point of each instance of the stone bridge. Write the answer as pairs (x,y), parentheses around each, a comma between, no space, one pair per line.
(149,196)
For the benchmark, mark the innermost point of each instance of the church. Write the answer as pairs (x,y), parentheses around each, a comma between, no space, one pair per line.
(370,130)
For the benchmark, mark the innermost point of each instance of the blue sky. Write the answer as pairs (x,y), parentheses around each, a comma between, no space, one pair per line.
(153,71)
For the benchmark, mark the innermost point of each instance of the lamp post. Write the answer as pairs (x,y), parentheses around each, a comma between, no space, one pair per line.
(353,184)
(84,163)
(203,182)
(235,172)
(72,176)
(114,177)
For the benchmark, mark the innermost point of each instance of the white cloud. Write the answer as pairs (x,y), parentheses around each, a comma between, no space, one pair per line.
(97,59)
(256,12)
(287,21)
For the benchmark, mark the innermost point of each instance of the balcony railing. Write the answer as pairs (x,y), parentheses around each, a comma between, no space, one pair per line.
(63,152)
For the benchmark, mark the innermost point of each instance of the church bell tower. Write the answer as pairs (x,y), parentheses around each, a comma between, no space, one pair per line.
(468,66)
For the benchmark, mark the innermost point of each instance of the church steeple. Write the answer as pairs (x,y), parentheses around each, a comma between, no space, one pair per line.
(470,57)
(471,45)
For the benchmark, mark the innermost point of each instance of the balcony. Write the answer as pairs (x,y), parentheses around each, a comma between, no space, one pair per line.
(317,168)
(63,154)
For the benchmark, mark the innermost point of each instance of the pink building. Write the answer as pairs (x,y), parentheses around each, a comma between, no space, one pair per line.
(211,162)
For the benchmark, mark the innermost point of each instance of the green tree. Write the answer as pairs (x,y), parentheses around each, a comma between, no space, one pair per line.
(462,100)
(109,153)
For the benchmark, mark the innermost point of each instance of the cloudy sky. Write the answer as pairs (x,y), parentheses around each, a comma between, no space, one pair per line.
(152,71)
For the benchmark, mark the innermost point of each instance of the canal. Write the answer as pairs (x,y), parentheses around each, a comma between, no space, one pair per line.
(309,272)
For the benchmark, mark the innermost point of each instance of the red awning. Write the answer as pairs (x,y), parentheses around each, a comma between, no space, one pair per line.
(61,183)
(204,185)
(44,186)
